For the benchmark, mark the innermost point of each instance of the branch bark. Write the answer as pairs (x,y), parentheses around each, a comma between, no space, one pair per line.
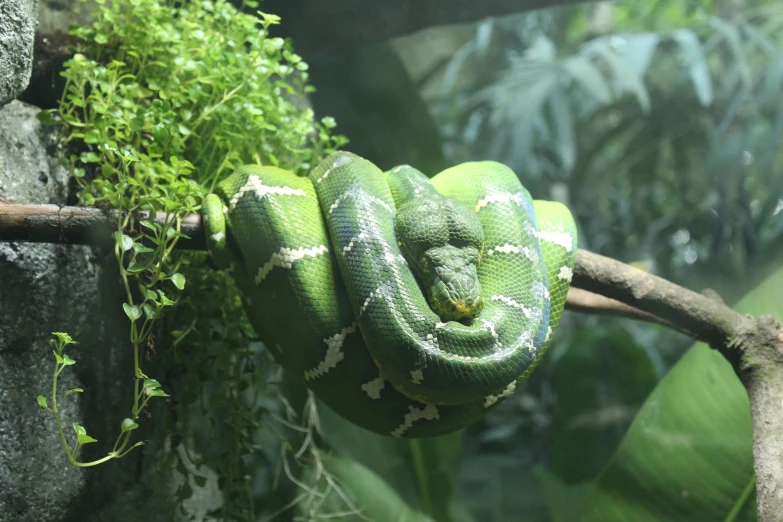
(753,345)
(77,226)
(580,300)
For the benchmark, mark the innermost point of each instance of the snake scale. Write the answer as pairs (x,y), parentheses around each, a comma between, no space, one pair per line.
(410,306)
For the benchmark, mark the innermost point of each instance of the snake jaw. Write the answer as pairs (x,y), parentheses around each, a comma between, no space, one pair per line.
(468,310)
(455,293)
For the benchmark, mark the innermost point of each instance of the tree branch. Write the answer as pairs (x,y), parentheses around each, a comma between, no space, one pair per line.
(753,345)
(320,27)
(78,225)
(580,300)
(708,319)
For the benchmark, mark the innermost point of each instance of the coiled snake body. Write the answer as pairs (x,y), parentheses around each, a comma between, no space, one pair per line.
(409,306)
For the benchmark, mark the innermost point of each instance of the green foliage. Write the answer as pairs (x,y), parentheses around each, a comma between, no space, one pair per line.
(369,497)
(60,341)
(420,471)
(594,411)
(161,101)
(688,454)
(201,81)
(675,111)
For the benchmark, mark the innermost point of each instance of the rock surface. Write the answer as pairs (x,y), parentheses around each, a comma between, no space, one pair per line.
(49,288)
(17,33)
(46,288)
(43,288)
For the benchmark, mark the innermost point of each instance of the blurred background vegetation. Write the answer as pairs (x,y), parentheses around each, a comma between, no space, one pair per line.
(659,125)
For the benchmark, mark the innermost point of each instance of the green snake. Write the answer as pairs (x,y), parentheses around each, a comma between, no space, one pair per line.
(410,306)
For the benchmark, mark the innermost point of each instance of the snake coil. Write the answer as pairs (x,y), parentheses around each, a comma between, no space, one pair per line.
(342,273)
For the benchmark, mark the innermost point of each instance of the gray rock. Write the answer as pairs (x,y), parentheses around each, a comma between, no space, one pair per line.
(41,287)
(17,32)
(74,289)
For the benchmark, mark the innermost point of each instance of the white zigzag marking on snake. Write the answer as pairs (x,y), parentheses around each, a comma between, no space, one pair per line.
(489,400)
(253,184)
(526,341)
(333,353)
(563,239)
(363,200)
(350,245)
(374,387)
(339,162)
(382,203)
(286,257)
(326,174)
(217,237)
(540,290)
(429,412)
(369,299)
(502,197)
(491,327)
(336,203)
(417,377)
(565,274)
(510,302)
(513,249)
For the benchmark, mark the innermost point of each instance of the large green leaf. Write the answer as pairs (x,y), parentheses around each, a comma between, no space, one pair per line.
(563,502)
(688,454)
(600,382)
(346,490)
(421,471)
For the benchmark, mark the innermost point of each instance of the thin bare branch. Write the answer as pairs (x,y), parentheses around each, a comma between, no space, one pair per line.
(585,302)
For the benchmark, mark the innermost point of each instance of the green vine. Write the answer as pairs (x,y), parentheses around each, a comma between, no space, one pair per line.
(150,388)
(162,100)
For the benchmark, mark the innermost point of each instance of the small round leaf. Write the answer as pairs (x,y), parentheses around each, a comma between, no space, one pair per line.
(128,425)
(132,311)
(125,242)
(178,280)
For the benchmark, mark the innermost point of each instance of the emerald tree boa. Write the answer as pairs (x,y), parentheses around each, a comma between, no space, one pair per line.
(410,306)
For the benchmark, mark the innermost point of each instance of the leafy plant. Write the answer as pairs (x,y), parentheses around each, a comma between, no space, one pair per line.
(120,449)
(163,99)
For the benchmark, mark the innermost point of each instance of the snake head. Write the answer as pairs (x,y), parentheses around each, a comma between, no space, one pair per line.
(442,238)
(451,282)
